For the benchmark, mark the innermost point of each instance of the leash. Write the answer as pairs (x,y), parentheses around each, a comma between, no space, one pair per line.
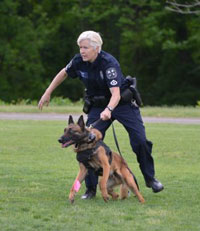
(114,133)
(115,138)
(95,123)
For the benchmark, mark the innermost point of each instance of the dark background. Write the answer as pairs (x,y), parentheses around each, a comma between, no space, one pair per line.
(160,47)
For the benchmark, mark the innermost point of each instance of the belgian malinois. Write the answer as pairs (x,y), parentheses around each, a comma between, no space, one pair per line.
(93,153)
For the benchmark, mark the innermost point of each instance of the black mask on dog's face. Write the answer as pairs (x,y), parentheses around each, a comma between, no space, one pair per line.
(65,141)
(72,135)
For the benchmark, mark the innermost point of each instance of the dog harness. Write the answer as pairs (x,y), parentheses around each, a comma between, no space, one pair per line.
(86,156)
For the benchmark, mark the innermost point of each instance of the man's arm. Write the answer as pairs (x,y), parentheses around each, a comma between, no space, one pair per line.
(59,78)
(114,100)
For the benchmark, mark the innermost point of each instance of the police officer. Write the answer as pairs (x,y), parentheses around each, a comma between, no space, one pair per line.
(101,74)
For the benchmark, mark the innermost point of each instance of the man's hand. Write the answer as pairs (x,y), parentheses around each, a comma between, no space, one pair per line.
(106,114)
(45,99)
(114,100)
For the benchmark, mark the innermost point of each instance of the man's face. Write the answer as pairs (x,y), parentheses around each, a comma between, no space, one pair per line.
(88,53)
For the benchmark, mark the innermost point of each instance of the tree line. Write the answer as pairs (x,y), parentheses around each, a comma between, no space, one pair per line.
(160,47)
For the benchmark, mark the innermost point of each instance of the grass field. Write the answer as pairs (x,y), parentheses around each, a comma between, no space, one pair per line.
(174,111)
(36,175)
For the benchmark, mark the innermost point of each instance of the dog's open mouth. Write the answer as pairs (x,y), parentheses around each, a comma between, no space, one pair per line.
(67,144)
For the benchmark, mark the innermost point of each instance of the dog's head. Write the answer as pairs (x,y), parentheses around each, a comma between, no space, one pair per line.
(78,133)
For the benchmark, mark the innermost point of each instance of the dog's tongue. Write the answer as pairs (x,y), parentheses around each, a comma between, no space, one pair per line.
(67,144)
(63,145)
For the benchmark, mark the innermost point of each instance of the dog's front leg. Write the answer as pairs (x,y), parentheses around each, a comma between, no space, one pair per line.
(104,178)
(77,183)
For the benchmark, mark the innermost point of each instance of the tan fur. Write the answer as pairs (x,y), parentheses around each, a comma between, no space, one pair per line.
(115,174)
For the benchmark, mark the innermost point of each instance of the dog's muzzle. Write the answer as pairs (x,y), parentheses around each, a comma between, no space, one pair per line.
(65,141)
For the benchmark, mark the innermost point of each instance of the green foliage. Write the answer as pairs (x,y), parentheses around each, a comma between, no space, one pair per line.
(20,63)
(55,101)
(60,101)
(162,54)
(2,102)
(36,176)
(159,47)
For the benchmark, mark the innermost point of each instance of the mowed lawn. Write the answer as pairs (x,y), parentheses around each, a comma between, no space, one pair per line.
(36,175)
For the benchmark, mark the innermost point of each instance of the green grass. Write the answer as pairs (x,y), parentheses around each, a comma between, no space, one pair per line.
(174,111)
(36,175)
(34,109)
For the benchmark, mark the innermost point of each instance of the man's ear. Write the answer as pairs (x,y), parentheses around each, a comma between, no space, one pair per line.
(81,122)
(70,120)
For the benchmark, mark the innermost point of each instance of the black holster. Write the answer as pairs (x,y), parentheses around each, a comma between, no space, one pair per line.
(131,93)
(87,104)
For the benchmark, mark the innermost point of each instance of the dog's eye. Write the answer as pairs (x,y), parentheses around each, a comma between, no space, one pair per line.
(69,130)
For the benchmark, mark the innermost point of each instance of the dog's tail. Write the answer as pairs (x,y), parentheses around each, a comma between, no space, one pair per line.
(134,178)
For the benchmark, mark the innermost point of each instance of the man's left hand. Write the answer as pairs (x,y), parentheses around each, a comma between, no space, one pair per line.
(106,114)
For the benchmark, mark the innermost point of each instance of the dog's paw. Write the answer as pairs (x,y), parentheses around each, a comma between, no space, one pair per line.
(71,201)
(106,198)
(71,198)
(142,201)
(115,196)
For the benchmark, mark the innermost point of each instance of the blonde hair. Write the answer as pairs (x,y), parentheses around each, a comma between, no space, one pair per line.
(93,37)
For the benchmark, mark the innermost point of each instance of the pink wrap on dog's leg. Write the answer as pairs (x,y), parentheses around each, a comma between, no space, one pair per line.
(77,185)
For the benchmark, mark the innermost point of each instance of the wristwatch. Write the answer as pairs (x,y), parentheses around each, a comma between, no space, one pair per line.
(110,108)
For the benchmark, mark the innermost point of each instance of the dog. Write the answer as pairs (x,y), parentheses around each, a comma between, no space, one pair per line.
(93,153)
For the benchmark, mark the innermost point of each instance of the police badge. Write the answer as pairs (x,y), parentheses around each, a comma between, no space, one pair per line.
(111,73)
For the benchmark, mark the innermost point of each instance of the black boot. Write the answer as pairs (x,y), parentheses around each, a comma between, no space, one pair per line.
(155,185)
(89,194)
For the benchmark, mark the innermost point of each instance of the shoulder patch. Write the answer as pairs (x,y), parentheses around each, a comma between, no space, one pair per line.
(111,73)
(113,82)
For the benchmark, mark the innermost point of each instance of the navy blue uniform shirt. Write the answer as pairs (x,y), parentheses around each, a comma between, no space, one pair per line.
(99,76)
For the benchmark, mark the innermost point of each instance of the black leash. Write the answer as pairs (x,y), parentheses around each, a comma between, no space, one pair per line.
(95,123)
(115,138)
(114,133)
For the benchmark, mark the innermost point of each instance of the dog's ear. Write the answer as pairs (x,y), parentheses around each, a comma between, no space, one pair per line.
(70,120)
(81,122)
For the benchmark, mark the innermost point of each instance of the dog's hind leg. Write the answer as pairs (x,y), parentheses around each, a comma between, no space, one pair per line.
(113,194)
(123,191)
(129,180)
(111,183)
